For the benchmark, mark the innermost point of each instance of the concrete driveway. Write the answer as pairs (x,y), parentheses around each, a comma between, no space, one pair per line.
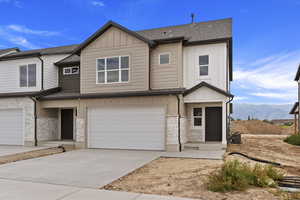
(6,150)
(90,168)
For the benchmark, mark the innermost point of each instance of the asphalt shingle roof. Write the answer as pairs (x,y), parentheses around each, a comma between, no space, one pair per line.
(46,51)
(202,31)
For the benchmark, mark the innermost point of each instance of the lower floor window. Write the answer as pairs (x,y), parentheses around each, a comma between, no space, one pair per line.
(197,117)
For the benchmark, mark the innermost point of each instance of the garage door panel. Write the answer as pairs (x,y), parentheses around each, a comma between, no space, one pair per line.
(126,128)
(11,127)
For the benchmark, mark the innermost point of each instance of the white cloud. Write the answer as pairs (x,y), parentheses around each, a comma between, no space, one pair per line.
(24,29)
(97,3)
(240,98)
(269,77)
(16,3)
(277,95)
(16,39)
(274,72)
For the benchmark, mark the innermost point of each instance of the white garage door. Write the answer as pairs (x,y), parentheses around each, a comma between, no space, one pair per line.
(126,128)
(11,127)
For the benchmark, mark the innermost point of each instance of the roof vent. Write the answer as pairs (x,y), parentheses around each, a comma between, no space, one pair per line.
(193,18)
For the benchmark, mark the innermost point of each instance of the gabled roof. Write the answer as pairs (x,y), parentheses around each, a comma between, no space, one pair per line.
(69,60)
(2,51)
(46,51)
(205,84)
(297,74)
(107,26)
(294,108)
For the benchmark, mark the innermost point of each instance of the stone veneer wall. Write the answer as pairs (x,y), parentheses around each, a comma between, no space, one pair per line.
(27,105)
(172,134)
(47,128)
(80,137)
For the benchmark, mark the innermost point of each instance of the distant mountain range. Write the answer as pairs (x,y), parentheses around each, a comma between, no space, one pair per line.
(261,111)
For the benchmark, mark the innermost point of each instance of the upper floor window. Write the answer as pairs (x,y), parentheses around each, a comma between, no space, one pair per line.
(164,58)
(27,75)
(203,65)
(113,69)
(70,70)
(197,117)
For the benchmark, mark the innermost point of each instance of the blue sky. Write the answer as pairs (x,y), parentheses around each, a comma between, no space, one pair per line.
(266,33)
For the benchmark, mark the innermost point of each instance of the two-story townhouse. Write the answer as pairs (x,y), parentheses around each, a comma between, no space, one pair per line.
(156,89)
(295,109)
(24,76)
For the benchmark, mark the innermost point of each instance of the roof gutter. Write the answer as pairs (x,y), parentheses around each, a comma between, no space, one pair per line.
(42,71)
(228,124)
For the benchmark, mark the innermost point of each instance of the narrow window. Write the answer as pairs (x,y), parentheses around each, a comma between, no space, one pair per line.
(113,69)
(164,58)
(197,117)
(28,75)
(23,76)
(203,65)
(32,75)
(71,70)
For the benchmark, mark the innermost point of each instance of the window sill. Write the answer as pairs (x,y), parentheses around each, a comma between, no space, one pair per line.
(114,83)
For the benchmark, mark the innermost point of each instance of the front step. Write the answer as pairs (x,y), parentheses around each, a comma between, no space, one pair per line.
(68,145)
(205,146)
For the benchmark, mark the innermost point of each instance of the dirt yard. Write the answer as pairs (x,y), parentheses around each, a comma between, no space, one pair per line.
(258,127)
(29,155)
(183,178)
(270,147)
(187,177)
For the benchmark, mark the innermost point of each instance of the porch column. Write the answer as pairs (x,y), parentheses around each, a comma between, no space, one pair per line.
(224,124)
(81,126)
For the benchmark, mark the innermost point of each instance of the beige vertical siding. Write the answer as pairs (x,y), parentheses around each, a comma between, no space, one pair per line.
(115,42)
(167,75)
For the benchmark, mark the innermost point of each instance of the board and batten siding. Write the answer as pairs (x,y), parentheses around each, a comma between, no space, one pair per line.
(167,75)
(69,83)
(115,42)
(218,65)
(10,76)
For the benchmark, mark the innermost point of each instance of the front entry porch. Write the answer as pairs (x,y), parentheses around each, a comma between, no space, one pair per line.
(205,125)
(56,127)
(207,113)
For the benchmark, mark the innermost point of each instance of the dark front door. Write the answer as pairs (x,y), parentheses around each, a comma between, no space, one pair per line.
(67,124)
(213,124)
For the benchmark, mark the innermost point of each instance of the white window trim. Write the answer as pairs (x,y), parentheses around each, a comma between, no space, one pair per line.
(165,53)
(28,76)
(202,121)
(64,73)
(199,66)
(105,70)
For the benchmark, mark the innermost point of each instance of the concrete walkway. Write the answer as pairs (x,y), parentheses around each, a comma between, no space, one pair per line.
(88,168)
(16,190)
